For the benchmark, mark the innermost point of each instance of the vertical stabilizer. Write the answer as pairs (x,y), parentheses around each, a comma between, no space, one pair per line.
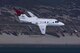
(18,12)
(21,15)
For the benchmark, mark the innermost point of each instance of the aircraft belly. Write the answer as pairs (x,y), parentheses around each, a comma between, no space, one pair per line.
(52,24)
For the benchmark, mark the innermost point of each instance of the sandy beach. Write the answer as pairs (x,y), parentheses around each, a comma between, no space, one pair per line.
(37,39)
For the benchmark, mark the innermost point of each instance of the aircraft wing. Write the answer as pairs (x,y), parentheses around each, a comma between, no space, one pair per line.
(42,28)
(31,14)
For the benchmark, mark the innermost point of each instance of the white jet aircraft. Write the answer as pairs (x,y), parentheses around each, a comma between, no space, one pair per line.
(41,22)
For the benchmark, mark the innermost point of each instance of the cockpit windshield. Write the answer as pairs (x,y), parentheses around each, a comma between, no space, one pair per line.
(56,21)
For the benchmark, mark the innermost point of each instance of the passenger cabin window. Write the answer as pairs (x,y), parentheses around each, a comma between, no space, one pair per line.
(47,22)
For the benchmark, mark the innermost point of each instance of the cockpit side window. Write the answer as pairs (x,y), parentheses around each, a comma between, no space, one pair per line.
(56,21)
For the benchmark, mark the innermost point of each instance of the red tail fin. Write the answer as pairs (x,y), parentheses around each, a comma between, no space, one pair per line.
(18,12)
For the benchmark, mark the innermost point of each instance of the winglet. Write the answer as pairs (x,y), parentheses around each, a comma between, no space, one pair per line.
(18,11)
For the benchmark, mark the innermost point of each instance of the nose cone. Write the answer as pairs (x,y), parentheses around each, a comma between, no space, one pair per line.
(62,24)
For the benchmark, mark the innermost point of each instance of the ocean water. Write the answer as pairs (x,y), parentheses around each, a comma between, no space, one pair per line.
(40,49)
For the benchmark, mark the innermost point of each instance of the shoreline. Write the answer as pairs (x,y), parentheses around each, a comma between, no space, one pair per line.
(39,40)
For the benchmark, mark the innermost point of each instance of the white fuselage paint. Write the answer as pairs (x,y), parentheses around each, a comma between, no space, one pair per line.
(34,20)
